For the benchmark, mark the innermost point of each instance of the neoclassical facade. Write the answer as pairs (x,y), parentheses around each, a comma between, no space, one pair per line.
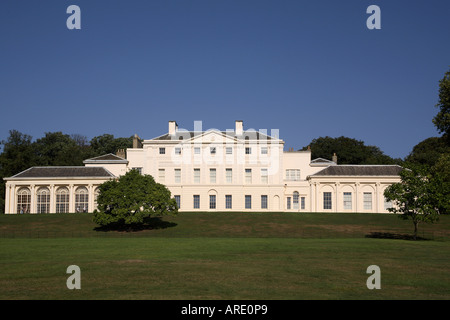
(212,170)
(54,189)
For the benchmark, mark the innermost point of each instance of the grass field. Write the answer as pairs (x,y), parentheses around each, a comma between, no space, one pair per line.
(225,256)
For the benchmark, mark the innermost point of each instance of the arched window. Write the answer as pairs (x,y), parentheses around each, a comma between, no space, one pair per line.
(295,197)
(43,200)
(62,200)
(23,200)
(81,200)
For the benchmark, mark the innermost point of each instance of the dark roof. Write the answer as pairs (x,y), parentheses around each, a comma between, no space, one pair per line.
(61,172)
(360,170)
(184,135)
(106,158)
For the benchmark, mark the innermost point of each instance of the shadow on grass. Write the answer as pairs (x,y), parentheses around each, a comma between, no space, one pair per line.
(153,223)
(389,235)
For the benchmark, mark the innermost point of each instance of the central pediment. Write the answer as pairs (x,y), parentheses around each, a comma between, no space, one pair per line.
(213,136)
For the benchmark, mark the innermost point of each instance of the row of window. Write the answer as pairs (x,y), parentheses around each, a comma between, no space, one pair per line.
(82,201)
(296,204)
(213,150)
(43,200)
(213,175)
(291,175)
(347,201)
(228,201)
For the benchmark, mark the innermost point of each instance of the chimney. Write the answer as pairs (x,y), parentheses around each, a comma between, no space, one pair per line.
(173,127)
(239,127)
(334,158)
(121,153)
(137,142)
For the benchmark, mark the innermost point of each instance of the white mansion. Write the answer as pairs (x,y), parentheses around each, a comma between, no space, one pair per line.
(233,170)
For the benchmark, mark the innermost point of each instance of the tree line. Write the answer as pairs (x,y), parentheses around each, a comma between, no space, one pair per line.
(348,151)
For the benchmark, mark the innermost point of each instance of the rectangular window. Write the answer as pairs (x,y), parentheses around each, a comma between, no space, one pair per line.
(248,175)
(367,199)
(212,150)
(347,200)
(196,201)
(177,175)
(248,150)
(248,202)
(229,175)
(293,174)
(162,175)
(302,203)
(264,202)
(327,200)
(212,175)
(263,150)
(178,200)
(162,150)
(178,151)
(229,150)
(264,176)
(228,201)
(288,203)
(196,150)
(196,175)
(212,201)
(138,169)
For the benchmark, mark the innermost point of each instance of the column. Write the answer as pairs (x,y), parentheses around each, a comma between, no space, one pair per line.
(316,195)
(71,198)
(377,197)
(52,199)
(336,185)
(91,198)
(33,205)
(7,195)
(13,199)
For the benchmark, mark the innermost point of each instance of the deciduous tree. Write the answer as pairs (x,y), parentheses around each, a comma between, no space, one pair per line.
(442,119)
(441,177)
(349,151)
(17,156)
(106,143)
(416,196)
(428,151)
(131,199)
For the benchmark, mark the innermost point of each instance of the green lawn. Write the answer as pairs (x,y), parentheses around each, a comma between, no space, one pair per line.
(224,256)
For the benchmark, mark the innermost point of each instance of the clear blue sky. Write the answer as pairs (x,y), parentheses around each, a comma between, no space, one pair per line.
(307,68)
